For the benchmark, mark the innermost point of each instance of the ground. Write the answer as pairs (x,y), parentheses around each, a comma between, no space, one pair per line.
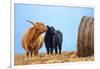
(43,58)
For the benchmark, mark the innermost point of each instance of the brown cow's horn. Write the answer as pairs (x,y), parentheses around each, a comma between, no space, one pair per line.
(30,22)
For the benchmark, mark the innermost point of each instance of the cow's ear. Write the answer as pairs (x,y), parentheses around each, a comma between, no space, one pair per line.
(47,26)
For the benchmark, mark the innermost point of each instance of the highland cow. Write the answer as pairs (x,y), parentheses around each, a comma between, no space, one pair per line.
(32,40)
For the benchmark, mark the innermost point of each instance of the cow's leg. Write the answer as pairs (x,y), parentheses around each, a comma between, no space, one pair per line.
(35,52)
(51,51)
(47,49)
(51,48)
(31,53)
(27,54)
(56,50)
(60,48)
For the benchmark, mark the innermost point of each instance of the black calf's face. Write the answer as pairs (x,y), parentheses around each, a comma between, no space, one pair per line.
(51,30)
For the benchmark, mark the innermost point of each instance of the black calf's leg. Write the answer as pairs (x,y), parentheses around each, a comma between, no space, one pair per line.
(56,50)
(60,49)
(51,50)
(47,49)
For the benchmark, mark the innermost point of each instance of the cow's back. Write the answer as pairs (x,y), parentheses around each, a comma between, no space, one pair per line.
(58,37)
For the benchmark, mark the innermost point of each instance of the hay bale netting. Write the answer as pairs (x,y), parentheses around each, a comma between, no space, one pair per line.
(85,43)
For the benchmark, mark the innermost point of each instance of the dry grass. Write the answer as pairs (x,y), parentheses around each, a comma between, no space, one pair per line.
(48,59)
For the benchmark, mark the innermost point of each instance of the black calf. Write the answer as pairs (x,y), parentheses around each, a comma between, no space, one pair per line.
(53,40)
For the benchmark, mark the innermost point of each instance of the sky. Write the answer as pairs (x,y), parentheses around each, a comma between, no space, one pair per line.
(63,18)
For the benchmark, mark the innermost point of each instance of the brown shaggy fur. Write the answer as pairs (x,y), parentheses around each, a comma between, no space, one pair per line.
(32,40)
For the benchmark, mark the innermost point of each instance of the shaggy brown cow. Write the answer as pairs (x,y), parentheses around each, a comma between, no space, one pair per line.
(32,40)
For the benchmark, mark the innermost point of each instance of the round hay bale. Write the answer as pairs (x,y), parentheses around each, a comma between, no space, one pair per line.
(85,42)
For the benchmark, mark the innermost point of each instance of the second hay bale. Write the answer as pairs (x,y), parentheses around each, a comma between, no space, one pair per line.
(85,43)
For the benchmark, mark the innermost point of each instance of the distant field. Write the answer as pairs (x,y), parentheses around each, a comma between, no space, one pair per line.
(43,58)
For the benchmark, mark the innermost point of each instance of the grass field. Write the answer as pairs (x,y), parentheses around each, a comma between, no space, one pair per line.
(43,58)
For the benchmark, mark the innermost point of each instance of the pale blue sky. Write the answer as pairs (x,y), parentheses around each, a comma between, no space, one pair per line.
(66,19)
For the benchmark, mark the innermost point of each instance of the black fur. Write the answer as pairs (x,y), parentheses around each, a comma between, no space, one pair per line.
(53,40)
